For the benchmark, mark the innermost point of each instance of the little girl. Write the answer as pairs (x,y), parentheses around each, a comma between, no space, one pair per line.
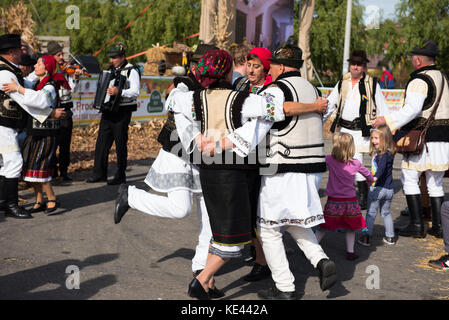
(382,150)
(342,211)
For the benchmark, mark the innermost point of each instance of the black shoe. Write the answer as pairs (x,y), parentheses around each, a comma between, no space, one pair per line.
(116,181)
(41,208)
(328,273)
(258,272)
(351,256)
(214,292)
(17,212)
(121,204)
(56,207)
(275,294)
(96,179)
(196,290)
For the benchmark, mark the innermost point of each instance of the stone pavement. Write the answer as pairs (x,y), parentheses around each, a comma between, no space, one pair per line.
(149,258)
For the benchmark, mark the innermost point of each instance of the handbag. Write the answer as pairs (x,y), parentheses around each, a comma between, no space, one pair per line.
(412,142)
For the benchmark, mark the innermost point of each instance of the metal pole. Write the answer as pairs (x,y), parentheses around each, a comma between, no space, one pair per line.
(347,36)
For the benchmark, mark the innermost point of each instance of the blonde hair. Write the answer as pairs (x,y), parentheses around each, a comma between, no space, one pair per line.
(386,141)
(343,148)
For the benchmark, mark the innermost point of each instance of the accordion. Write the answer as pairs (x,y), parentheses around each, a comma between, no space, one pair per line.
(103,101)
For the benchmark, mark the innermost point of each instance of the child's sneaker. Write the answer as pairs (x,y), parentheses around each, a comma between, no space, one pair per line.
(365,240)
(389,240)
(442,263)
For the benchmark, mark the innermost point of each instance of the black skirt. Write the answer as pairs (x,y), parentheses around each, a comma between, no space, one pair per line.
(231,198)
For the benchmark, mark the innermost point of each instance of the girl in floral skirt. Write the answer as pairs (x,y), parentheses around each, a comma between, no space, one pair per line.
(342,211)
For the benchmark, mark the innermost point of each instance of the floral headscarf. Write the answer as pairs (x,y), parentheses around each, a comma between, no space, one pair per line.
(212,67)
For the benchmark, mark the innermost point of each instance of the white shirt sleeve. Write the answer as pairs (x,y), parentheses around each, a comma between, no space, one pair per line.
(268,105)
(39,108)
(134,85)
(73,83)
(414,101)
(249,135)
(332,103)
(181,103)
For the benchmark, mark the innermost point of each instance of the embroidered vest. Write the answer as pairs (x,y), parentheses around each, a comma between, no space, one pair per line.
(128,104)
(367,110)
(298,144)
(439,127)
(219,112)
(11,114)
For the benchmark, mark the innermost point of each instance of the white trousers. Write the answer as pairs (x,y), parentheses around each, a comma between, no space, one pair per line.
(11,165)
(177,205)
(434,179)
(273,247)
(10,157)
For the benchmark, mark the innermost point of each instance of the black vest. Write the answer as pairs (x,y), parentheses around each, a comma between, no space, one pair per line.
(11,113)
(50,127)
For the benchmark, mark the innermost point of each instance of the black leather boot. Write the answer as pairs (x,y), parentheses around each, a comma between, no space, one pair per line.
(12,200)
(363,194)
(436,230)
(415,228)
(2,194)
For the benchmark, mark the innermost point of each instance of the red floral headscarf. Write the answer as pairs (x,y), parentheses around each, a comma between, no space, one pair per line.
(54,73)
(212,67)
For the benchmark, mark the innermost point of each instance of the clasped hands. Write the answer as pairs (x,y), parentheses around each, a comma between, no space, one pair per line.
(209,147)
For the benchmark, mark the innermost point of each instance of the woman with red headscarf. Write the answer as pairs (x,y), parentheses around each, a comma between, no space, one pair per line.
(40,146)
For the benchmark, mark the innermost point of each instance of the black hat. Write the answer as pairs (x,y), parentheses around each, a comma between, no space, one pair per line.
(10,41)
(26,60)
(201,50)
(116,49)
(53,48)
(289,55)
(358,56)
(427,48)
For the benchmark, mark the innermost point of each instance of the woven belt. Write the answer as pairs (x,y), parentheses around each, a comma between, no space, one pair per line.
(351,125)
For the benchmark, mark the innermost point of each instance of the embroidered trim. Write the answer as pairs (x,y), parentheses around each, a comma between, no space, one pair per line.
(270,106)
(241,141)
(318,219)
(427,166)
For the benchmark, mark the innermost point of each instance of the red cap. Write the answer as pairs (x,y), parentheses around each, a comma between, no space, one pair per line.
(263,54)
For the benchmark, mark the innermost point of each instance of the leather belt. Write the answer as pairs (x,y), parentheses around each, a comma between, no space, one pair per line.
(351,125)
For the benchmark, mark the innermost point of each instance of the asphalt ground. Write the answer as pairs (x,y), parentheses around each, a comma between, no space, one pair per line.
(149,258)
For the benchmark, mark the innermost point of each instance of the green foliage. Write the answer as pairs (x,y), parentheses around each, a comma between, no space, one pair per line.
(100,20)
(328,33)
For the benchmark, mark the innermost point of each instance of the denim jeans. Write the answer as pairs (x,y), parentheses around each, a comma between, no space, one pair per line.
(380,198)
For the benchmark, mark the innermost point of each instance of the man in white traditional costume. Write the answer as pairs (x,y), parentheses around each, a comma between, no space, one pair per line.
(357,100)
(289,194)
(426,85)
(13,109)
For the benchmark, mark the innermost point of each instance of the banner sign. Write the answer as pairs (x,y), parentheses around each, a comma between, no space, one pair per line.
(150,103)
